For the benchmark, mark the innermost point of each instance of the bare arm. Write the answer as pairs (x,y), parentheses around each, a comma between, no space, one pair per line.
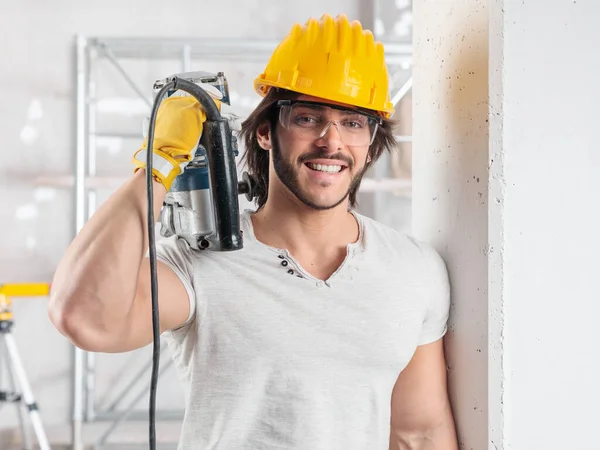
(100,297)
(421,414)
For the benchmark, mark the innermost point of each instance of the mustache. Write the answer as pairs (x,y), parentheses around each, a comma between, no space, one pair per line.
(322,154)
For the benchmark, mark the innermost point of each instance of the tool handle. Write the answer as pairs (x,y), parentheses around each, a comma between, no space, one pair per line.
(217,140)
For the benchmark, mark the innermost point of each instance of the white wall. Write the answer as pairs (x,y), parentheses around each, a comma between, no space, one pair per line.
(551,68)
(507,92)
(37,129)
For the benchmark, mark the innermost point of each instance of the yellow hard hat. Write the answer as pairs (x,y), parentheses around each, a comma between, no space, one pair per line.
(333,59)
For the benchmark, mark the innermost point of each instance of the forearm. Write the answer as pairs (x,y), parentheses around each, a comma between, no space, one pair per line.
(95,283)
(440,435)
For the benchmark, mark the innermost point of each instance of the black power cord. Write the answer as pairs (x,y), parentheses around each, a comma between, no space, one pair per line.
(212,114)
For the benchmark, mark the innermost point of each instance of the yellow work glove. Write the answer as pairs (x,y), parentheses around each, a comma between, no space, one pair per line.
(177,130)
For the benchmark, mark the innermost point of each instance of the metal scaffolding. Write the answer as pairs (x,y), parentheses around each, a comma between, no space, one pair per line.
(89,51)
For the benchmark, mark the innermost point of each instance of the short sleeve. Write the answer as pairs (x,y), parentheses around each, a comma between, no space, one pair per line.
(177,255)
(435,323)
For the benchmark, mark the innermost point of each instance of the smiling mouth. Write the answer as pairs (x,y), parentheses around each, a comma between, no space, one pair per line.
(325,168)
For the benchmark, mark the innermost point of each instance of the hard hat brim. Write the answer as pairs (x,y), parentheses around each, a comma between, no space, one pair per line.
(262,87)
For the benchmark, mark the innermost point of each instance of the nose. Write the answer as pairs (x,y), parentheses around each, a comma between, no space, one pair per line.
(330,137)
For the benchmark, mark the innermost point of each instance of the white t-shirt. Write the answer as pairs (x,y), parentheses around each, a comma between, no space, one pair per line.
(273,358)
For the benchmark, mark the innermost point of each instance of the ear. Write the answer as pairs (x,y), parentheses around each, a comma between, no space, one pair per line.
(263,136)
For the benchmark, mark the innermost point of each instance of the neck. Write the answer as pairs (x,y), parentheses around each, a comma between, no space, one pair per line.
(286,222)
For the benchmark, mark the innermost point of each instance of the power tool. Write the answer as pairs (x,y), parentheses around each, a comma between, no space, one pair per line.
(202,205)
(200,195)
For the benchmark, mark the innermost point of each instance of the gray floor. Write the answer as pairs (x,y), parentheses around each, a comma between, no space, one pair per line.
(131,436)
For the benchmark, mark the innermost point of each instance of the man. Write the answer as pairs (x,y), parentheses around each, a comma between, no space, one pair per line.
(325,331)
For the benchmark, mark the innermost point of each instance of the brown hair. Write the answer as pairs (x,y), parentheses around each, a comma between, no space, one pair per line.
(258,159)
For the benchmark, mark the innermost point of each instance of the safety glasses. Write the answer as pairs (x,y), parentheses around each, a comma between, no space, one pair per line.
(312,120)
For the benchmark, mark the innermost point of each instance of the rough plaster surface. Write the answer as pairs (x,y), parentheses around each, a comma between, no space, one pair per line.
(499,403)
(37,123)
(450,186)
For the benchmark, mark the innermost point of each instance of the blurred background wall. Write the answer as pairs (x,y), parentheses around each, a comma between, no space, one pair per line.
(38,124)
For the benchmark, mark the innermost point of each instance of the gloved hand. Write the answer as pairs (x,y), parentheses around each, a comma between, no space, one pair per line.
(177,130)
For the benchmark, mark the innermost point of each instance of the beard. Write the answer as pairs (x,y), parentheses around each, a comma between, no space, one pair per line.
(288,174)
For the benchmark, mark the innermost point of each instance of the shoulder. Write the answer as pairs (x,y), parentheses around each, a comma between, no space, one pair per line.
(390,244)
(381,235)
(177,254)
(173,245)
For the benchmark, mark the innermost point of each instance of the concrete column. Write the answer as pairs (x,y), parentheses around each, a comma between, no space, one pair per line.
(506,169)
(450,198)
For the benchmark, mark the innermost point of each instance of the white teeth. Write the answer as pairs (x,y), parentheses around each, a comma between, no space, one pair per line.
(324,168)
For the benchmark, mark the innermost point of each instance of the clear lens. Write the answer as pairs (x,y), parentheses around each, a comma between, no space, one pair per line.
(312,121)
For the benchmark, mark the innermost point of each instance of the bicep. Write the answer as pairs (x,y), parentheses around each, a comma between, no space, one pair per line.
(420,404)
(173,305)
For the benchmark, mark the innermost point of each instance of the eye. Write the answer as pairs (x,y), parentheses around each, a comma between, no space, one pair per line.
(304,120)
(355,123)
